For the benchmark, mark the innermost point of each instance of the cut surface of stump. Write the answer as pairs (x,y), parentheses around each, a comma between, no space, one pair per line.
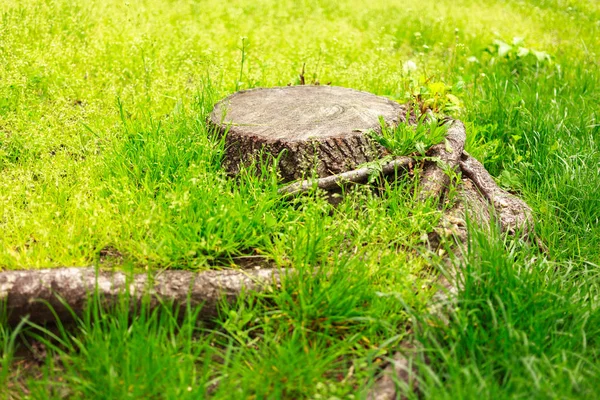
(319,129)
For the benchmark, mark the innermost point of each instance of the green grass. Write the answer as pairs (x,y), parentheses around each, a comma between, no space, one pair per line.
(105,154)
(527,328)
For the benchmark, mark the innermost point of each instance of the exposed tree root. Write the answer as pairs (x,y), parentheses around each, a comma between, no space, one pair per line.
(480,201)
(514,213)
(357,176)
(30,292)
(444,157)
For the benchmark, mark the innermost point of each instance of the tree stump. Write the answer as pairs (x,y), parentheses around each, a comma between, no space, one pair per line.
(314,129)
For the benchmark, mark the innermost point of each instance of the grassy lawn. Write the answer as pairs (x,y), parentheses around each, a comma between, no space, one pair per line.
(106,159)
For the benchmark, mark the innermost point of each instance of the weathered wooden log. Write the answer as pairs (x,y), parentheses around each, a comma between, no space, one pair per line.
(30,292)
(314,129)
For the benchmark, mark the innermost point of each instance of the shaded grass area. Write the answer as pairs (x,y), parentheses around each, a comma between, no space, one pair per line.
(104,152)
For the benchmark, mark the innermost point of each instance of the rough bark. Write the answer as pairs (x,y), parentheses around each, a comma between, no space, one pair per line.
(443,157)
(514,214)
(314,129)
(360,175)
(29,292)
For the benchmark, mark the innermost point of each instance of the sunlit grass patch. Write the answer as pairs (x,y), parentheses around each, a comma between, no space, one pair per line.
(105,158)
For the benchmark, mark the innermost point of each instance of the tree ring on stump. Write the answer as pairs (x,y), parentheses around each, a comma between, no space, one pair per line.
(319,129)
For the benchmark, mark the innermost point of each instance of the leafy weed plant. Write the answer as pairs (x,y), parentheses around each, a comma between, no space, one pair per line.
(406,139)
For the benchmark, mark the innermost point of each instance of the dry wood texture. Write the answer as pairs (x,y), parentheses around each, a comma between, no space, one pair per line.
(319,129)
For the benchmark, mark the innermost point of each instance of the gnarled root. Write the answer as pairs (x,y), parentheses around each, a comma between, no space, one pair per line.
(479,198)
(513,213)
(30,292)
